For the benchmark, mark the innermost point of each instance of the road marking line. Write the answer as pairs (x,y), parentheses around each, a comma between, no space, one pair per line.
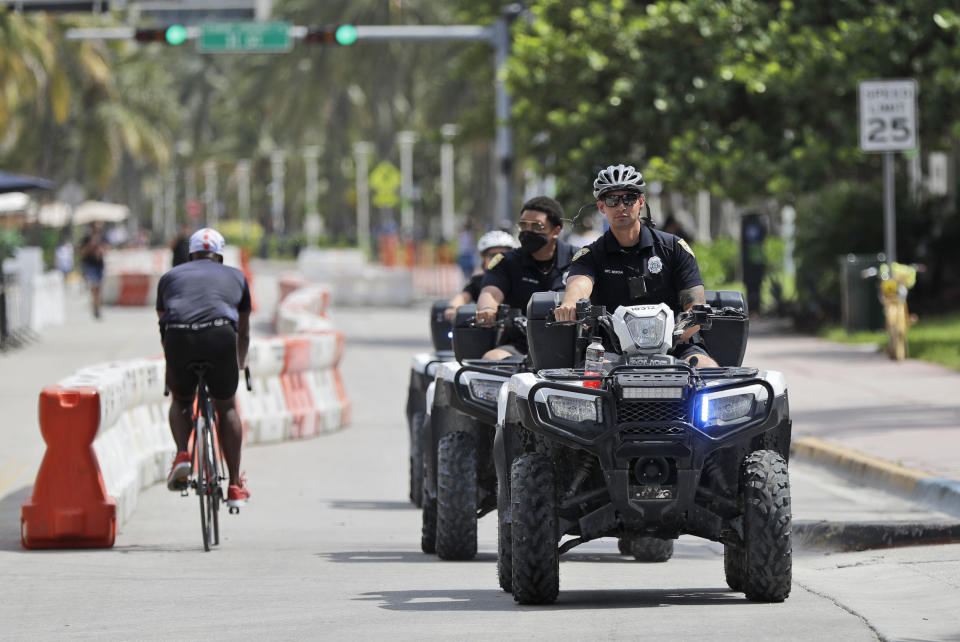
(11,472)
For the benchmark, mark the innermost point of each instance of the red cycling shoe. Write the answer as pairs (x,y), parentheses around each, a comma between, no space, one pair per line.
(237,496)
(179,472)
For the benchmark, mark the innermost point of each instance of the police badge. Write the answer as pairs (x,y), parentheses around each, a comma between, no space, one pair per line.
(654,264)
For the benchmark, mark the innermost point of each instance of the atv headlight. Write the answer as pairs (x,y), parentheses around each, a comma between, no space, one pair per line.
(485,389)
(732,407)
(647,332)
(575,409)
(644,328)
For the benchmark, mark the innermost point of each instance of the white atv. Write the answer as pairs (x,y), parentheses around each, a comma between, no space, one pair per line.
(646,450)
(423,368)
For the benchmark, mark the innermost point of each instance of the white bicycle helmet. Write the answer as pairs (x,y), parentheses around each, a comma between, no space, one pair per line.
(496,238)
(617,177)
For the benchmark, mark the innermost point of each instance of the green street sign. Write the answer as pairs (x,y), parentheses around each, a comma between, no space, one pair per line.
(234,37)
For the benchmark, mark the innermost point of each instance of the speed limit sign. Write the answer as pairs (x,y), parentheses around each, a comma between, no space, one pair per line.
(888,115)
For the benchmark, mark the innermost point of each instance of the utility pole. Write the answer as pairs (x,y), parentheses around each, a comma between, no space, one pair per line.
(703,216)
(447,223)
(210,192)
(170,204)
(278,173)
(243,192)
(361,154)
(405,141)
(312,222)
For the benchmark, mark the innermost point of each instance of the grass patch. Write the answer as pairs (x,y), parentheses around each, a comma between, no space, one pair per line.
(932,338)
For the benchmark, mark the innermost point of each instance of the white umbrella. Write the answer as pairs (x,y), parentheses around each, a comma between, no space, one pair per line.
(13,202)
(89,211)
(56,214)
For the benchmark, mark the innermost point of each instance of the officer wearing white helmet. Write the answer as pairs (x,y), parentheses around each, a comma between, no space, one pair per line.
(204,311)
(489,245)
(633,263)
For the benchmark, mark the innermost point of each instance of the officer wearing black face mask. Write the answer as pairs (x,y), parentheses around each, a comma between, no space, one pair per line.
(539,264)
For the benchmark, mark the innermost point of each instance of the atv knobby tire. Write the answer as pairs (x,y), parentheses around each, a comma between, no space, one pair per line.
(416,459)
(651,549)
(428,533)
(533,507)
(504,553)
(457,497)
(504,540)
(733,567)
(767,555)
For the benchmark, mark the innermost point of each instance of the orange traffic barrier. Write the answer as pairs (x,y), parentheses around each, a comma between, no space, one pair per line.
(248,274)
(69,507)
(134,289)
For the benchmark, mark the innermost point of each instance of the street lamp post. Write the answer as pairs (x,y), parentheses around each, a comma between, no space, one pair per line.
(361,154)
(447,223)
(405,141)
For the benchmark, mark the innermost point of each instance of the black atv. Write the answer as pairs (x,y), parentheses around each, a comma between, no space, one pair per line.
(423,368)
(460,481)
(647,450)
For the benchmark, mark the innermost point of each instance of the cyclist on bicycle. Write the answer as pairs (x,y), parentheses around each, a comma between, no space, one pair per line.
(204,311)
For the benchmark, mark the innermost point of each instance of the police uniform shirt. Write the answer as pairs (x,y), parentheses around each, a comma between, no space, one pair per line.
(517,274)
(472,287)
(664,261)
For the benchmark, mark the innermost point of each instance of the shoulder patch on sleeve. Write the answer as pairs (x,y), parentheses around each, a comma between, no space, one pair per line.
(495,260)
(684,245)
(581,252)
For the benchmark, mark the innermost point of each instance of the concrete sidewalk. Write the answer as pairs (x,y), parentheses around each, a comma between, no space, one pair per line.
(883,423)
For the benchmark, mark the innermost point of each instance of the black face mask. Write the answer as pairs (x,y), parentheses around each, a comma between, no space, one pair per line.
(531,241)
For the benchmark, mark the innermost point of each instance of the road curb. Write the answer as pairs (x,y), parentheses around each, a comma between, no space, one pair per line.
(862,536)
(935,492)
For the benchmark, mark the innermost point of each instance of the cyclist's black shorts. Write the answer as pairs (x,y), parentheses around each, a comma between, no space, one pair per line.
(216,345)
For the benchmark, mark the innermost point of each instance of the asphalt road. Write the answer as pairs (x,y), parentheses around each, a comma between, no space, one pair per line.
(329,548)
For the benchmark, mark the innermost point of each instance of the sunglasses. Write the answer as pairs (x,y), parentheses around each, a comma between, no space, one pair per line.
(535,226)
(613,199)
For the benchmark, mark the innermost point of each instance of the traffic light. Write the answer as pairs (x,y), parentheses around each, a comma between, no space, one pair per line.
(172,35)
(340,34)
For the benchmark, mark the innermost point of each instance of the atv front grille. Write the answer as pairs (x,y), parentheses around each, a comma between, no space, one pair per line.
(651,430)
(630,410)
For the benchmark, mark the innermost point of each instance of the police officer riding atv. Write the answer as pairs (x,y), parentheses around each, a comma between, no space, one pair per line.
(643,445)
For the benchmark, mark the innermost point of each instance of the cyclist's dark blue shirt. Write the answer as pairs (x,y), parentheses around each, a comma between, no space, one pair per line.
(202,290)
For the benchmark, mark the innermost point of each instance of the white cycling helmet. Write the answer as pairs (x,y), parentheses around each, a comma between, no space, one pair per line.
(207,240)
(617,177)
(496,238)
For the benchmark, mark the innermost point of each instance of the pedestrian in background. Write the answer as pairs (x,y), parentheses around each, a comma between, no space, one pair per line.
(93,248)
(467,250)
(63,255)
(180,245)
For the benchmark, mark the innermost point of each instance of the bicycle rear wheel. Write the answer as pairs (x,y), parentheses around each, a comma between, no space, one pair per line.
(216,491)
(206,483)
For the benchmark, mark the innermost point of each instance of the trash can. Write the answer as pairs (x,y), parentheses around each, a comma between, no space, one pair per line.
(860,300)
